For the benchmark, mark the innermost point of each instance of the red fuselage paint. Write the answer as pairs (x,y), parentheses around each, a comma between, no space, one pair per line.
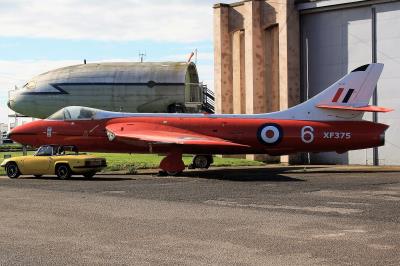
(260,136)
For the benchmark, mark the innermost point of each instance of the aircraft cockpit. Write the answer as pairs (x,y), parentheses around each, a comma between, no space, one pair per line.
(79,113)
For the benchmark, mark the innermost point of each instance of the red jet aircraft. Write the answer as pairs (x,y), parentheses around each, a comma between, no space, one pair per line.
(330,121)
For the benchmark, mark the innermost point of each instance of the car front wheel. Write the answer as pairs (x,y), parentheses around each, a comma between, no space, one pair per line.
(12,170)
(63,171)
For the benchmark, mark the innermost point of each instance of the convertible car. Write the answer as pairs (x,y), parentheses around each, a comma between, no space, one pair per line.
(63,161)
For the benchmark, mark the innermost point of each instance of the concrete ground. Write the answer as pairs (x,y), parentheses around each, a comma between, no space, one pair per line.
(247,216)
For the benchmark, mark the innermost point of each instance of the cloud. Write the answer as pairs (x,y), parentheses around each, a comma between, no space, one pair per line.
(156,20)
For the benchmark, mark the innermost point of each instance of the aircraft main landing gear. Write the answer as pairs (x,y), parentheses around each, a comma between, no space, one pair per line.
(172,164)
(201,162)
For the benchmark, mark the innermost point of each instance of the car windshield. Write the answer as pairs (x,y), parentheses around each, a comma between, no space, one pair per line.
(80,113)
(44,151)
(67,150)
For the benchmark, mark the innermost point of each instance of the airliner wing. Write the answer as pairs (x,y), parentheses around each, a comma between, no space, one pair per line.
(163,134)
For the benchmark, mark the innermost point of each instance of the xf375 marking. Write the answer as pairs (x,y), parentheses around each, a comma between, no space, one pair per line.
(337,135)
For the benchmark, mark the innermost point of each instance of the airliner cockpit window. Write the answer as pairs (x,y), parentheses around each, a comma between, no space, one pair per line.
(30,85)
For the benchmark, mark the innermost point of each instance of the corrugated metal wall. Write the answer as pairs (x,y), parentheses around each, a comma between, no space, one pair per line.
(388,51)
(334,43)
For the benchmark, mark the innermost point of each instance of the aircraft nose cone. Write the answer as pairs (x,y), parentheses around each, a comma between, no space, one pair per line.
(13,132)
(24,134)
(9,134)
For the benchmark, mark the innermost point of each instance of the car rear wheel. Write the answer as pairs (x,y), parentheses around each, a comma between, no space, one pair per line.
(63,171)
(12,170)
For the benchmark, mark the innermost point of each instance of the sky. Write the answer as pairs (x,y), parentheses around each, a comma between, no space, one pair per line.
(40,35)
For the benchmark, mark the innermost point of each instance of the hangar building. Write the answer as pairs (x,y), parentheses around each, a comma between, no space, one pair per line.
(273,54)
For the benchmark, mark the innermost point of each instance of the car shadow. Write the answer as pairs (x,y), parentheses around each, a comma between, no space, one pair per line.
(77,178)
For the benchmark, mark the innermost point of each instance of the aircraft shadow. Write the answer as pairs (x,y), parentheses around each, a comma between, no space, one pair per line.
(244,175)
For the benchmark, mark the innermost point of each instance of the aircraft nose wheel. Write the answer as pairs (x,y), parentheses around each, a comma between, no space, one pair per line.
(201,162)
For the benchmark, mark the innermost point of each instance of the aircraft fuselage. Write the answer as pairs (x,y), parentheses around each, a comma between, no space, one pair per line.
(258,136)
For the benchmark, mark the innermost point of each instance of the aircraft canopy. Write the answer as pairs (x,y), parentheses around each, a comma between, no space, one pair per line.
(80,113)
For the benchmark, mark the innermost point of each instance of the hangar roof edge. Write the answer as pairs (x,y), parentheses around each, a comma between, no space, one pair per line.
(323,5)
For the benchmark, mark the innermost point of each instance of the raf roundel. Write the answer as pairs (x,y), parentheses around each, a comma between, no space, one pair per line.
(270,134)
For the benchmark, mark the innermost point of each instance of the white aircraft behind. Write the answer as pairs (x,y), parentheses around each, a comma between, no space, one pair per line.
(129,87)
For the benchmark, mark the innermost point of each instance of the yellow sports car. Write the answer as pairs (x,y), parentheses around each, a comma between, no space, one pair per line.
(63,161)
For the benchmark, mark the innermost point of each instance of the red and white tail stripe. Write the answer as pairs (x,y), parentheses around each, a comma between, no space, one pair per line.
(339,93)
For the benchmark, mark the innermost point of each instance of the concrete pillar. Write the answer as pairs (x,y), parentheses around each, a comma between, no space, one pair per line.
(239,94)
(254,63)
(254,59)
(256,71)
(271,68)
(222,60)
(289,62)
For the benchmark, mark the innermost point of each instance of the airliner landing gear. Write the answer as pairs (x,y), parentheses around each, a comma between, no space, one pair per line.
(201,162)
(172,164)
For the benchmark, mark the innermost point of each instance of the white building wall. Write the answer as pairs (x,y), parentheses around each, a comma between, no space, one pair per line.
(388,52)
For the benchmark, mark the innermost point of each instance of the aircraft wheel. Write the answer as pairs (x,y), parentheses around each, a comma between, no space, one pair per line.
(12,170)
(173,173)
(169,173)
(202,161)
(89,175)
(63,171)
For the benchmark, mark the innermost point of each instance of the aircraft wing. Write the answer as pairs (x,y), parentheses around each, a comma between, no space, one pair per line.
(163,134)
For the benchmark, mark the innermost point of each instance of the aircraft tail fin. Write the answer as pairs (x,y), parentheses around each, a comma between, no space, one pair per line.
(354,91)
(346,99)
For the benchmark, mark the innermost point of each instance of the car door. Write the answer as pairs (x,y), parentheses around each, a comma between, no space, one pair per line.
(40,165)
(40,162)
